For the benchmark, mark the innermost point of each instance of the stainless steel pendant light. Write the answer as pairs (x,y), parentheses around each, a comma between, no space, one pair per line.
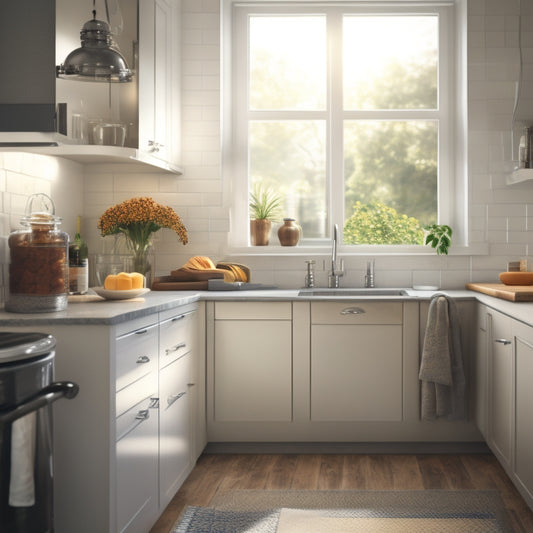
(98,58)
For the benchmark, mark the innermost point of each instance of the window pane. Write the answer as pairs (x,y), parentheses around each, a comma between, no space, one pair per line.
(390,180)
(289,157)
(390,62)
(288,62)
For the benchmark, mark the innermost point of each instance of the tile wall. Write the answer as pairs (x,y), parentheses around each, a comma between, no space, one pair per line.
(499,215)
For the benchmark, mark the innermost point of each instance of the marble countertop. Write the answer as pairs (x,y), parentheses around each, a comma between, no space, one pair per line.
(117,311)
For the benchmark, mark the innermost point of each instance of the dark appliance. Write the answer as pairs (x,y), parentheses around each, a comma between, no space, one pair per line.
(26,448)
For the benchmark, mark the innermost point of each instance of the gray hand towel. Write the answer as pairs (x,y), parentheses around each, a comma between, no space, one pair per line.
(441,366)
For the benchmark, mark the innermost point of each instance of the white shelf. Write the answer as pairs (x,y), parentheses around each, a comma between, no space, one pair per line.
(520,176)
(90,154)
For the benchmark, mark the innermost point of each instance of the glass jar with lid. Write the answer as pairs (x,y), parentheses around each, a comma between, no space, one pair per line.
(38,269)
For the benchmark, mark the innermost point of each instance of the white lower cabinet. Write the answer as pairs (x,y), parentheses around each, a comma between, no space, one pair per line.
(128,440)
(356,362)
(500,386)
(137,451)
(318,371)
(523,460)
(508,394)
(253,362)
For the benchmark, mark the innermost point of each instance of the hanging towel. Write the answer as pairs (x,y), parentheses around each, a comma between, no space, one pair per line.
(441,366)
(21,483)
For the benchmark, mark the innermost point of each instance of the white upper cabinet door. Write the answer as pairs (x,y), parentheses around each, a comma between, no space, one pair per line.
(159,66)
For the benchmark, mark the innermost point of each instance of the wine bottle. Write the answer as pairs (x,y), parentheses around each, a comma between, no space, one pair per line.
(78,261)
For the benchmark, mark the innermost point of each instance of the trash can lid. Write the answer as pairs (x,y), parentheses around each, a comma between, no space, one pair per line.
(20,346)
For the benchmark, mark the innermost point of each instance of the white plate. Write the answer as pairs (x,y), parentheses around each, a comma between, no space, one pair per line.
(119,295)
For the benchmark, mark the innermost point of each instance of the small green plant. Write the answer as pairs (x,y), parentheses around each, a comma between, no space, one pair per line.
(264,204)
(439,236)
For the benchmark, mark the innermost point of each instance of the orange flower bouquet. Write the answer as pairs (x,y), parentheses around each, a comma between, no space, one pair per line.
(138,219)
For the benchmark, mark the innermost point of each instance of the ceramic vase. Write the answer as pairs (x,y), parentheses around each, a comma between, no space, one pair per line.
(260,231)
(289,232)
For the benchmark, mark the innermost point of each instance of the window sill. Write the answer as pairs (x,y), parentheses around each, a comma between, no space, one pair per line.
(345,251)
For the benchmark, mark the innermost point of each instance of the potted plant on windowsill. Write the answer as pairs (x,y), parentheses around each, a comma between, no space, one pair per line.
(265,207)
(439,236)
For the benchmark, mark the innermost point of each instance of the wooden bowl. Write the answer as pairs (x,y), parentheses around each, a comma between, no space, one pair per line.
(516,278)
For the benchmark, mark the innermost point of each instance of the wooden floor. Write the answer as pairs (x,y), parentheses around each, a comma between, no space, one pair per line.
(225,472)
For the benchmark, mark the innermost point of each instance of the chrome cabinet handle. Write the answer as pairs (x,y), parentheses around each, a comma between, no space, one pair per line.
(143,414)
(175,348)
(174,397)
(141,332)
(353,311)
(176,318)
(142,359)
(505,342)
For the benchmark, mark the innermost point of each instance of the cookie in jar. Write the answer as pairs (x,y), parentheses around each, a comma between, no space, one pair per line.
(38,268)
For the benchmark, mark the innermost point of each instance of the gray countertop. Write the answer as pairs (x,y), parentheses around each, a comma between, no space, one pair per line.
(117,311)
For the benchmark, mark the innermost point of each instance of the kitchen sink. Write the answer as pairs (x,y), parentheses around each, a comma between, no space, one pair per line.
(353,292)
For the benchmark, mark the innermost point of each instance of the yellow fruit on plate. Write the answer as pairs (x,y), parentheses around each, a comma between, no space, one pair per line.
(124,281)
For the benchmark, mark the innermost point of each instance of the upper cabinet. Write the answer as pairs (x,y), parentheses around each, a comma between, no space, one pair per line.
(129,122)
(159,75)
(27,97)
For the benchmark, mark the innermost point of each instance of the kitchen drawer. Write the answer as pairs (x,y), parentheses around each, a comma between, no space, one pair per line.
(139,391)
(136,355)
(357,312)
(176,337)
(253,311)
(137,466)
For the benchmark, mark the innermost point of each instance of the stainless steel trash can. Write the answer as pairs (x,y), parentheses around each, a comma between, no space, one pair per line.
(26,449)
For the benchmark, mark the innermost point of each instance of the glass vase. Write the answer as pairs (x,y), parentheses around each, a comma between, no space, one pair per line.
(141,259)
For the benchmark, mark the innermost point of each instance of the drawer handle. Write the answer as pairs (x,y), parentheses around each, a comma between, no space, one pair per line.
(141,332)
(505,342)
(142,415)
(175,348)
(142,359)
(174,397)
(176,318)
(353,311)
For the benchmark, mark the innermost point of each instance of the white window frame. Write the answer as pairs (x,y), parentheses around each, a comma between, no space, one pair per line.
(452,168)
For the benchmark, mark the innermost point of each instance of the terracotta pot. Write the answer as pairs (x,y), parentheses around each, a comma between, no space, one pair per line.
(260,231)
(289,233)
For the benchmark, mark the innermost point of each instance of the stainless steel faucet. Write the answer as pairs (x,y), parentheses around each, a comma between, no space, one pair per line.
(369,277)
(335,274)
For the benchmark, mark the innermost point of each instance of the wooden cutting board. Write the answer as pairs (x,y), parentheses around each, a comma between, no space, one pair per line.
(513,293)
(162,285)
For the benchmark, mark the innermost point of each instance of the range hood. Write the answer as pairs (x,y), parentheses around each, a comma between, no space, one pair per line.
(28,114)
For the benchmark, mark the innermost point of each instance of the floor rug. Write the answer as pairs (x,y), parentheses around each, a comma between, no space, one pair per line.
(337,511)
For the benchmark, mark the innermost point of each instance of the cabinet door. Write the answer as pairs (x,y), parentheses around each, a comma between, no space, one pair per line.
(158,113)
(174,428)
(524,401)
(481,371)
(253,370)
(501,386)
(356,373)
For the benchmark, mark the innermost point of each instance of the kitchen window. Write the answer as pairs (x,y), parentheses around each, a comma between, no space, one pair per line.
(349,112)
